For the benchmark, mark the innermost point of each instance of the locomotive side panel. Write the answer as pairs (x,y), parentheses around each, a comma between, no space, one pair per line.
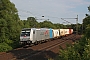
(41,34)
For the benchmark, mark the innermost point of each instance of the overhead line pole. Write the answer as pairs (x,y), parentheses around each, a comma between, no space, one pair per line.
(76,22)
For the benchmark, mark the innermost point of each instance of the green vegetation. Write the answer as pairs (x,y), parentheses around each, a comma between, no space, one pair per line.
(9,25)
(81,49)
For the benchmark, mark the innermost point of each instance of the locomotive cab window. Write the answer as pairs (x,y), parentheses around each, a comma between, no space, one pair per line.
(25,33)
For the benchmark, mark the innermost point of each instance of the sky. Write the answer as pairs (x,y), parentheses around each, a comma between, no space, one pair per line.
(53,10)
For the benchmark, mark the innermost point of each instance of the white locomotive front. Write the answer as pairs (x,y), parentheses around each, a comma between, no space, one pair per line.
(25,36)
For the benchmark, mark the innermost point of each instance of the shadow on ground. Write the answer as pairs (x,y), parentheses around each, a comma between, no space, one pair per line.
(26,54)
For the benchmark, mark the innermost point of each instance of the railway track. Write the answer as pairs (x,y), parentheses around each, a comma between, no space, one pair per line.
(24,57)
(41,48)
(47,48)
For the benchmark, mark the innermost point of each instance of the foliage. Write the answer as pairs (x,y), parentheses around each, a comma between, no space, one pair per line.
(86,54)
(86,21)
(57,26)
(32,21)
(89,11)
(9,24)
(4,47)
(76,52)
(8,20)
(87,33)
(47,24)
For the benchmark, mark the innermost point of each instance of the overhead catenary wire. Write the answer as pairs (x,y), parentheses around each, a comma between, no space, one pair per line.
(34,15)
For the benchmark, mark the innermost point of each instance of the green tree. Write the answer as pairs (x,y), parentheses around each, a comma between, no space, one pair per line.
(32,21)
(59,26)
(9,22)
(46,24)
(89,8)
(86,20)
(25,24)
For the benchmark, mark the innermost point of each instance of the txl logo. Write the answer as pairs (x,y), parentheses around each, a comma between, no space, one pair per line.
(46,32)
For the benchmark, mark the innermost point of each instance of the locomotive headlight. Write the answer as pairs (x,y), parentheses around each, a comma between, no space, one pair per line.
(28,38)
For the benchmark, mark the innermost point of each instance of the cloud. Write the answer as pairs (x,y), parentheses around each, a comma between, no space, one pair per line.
(82,1)
(51,8)
(78,2)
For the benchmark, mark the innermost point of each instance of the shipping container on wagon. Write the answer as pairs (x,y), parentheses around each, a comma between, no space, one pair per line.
(56,33)
(68,31)
(51,33)
(62,32)
(71,31)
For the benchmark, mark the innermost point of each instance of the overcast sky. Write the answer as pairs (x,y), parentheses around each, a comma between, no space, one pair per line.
(53,10)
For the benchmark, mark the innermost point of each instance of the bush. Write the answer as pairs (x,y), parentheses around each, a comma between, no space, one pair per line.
(87,33)
(5,47)
(79,51)
(13,44)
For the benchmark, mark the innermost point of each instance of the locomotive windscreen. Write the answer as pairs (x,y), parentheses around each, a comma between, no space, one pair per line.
(25,33)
